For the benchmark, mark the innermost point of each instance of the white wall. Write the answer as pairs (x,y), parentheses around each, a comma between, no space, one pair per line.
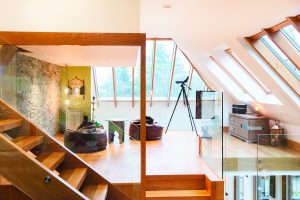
(70,15)
(159,111)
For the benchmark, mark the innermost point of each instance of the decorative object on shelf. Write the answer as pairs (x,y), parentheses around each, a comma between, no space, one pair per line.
(153,129)
(277,134)
(257,111)
(76,88)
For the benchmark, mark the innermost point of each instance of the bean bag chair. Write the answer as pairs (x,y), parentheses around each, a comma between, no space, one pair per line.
(153,130)
(87,138)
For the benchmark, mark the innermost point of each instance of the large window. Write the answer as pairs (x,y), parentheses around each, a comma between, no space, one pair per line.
(162,52)
(280,55)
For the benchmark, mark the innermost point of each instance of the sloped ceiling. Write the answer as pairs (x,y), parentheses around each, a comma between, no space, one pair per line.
(204,27)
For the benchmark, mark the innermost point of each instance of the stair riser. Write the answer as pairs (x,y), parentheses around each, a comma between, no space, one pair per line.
(178,198)
(196,182)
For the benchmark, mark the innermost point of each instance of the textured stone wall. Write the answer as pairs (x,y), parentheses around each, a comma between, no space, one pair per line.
(32,87)
(38,91)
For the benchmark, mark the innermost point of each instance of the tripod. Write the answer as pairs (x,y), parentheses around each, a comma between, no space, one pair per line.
(186,102)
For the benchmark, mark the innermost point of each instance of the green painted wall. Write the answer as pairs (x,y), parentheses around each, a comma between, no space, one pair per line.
(69,73)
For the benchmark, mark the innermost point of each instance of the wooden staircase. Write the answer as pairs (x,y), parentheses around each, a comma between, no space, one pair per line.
(36,164)
(180,187)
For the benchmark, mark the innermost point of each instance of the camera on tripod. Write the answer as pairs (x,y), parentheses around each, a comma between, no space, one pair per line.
(182,82)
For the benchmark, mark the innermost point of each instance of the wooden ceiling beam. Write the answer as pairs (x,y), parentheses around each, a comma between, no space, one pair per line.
(67,38)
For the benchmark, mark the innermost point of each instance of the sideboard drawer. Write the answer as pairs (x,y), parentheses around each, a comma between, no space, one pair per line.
(232,129)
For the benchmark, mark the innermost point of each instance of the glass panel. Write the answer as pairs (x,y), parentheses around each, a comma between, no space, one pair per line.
(210,107)
(105,82)
(181,71)
(293,35)
(278,165)
(123,76)
(280,55)
(163,65)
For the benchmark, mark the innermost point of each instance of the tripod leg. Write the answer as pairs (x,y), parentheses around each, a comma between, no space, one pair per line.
(173,111)
(186,104)
(190,113)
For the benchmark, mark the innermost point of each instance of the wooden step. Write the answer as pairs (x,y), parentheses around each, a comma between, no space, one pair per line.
(28,142)
(178,195)
(7,124)
(75,176)
(52,159)
(175,182)
(95,192)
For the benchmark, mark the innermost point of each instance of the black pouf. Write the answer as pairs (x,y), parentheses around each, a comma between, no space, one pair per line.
(86,139)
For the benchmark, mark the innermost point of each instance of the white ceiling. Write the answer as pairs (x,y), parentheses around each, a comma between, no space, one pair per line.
(198,26)
(98,56)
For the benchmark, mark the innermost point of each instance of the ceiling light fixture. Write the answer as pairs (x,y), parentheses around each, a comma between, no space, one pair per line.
(167,5)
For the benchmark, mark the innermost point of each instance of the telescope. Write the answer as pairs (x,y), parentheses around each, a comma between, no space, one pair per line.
(182,82)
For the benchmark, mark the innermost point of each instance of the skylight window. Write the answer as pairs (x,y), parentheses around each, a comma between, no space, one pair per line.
(280,55)
(292,35)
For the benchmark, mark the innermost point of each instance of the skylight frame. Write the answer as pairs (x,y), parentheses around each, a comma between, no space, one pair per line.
(280,55)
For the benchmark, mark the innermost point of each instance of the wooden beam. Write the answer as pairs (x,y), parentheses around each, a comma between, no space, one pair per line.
(153,68)
(271,36)
(190,78)
(271,67)
(229,53)
(256,36)
(172,73)
(132,87)
(295,22)
(68,38)
(231,76)
(143,121)
(114,85)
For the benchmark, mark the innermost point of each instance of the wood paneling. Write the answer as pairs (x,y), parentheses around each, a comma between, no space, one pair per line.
(65,38)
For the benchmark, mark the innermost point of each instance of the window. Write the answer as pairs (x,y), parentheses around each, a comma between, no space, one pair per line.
(280,55)
(104,82)
(163,65)
(292,35)
(164,55)
(295,187)
(181,71)
(196,84)
(123,77)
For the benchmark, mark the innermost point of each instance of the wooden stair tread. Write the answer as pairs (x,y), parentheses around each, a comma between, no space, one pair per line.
(7,124)
(75,176)
(52,159)
(95,192)
(177,193)
(28,142)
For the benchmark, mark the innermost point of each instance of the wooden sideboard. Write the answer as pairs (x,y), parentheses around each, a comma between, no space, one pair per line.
(247,126)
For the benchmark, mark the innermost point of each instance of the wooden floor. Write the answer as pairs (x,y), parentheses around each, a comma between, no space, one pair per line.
(176,153)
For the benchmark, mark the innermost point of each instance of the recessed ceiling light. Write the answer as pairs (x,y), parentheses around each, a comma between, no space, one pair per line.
(167,5)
